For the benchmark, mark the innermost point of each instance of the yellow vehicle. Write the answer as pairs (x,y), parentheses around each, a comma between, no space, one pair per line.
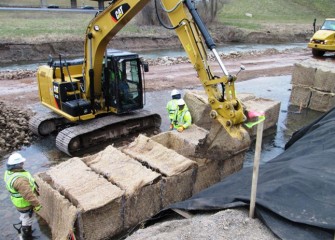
(324,39)
(88,94)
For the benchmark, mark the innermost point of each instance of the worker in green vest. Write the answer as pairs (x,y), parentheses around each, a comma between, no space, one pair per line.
(172,106)
(24,191)
(182,118)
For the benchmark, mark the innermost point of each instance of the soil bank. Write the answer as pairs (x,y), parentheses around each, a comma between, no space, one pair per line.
(28,50)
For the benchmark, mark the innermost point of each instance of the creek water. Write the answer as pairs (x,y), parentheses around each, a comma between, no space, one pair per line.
(43,153)
(227,48)
(24,65)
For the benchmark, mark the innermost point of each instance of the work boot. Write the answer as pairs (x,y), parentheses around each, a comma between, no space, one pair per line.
(27,233)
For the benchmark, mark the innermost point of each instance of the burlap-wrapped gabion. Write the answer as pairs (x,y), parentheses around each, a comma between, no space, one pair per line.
(104,195)
(313,85)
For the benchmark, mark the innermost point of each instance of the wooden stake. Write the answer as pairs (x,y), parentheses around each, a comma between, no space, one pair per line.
(258,150)
(182,213)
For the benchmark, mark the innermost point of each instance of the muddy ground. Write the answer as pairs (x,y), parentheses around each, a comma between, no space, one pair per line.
(18,89)
(18,93)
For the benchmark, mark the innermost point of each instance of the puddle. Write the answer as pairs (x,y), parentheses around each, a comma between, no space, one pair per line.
(290,118)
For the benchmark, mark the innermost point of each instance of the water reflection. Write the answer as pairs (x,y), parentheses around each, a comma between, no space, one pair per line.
(290,117)
(225,48)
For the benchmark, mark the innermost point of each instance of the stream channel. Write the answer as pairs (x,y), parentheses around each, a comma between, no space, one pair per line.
(228,48)
(43,153)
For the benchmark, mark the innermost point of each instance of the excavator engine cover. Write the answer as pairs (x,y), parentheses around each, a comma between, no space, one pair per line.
(77,107)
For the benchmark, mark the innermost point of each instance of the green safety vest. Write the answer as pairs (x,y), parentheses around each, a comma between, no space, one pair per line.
(183,119)
(16,197)
(172,108)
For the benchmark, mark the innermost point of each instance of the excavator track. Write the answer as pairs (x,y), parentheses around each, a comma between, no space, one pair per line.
(43,124)
(97,131)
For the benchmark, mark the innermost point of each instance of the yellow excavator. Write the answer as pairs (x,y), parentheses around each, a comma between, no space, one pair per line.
(101,96)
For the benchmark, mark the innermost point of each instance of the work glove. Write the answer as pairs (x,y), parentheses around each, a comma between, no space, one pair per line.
(37,208)
(180,129)
(171,127)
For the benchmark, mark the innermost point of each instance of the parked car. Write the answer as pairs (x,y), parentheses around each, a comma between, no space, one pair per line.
(87,7)
(53,6)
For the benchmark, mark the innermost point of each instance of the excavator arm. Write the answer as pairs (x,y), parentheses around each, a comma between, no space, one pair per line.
(226,108)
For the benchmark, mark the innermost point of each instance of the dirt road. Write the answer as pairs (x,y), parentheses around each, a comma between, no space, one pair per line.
(257,64)
(21,93)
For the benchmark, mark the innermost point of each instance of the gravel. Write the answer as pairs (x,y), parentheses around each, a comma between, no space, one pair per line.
(15,131)
(227,224)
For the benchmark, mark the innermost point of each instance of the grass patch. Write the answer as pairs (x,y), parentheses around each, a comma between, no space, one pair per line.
(242,24)
(53,25)
(48,25)
(37,3)
(275,12)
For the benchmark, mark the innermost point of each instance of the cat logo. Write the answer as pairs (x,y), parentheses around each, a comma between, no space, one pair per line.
(119,12)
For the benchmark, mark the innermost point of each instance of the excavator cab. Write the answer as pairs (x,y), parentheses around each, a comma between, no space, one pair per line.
(62,88)
(121,89)
(122,81)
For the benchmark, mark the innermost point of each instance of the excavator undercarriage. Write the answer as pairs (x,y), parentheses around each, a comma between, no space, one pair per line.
(74,138)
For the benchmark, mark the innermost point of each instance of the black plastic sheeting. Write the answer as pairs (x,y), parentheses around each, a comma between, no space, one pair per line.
(295,192)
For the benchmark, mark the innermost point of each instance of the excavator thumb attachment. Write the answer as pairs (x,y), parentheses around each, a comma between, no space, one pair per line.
(219,144)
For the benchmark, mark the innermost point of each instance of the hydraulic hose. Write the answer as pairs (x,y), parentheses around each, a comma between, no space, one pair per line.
(207,37)
(160,20)
(197,19)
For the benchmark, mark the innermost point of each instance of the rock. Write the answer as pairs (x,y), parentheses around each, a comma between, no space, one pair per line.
(17,74)
(313,85)
(15,129)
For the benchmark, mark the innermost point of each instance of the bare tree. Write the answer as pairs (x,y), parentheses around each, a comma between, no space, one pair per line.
(43,3)
(208,10)
(148,15)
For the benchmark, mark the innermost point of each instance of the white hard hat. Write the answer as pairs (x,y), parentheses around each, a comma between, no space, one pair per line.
(180,102)
(174,92)
(15,158)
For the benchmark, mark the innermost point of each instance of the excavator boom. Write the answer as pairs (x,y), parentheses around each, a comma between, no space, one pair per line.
(226,108)
(108,84)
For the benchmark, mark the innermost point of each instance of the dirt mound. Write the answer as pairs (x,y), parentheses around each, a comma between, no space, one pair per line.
(15,132)
(229,224)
